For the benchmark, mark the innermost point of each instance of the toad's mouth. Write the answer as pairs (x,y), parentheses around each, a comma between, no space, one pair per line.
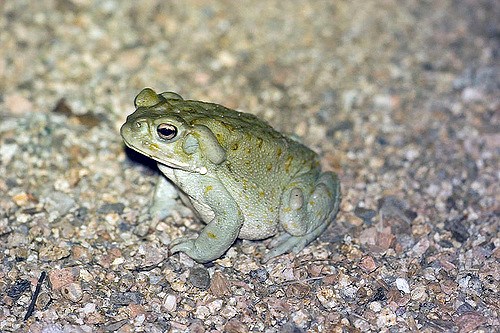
(152,151)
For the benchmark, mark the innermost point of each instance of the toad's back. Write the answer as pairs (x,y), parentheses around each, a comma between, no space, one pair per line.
(255,151)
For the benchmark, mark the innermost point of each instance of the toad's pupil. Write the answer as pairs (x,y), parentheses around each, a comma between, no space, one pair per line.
(167,131)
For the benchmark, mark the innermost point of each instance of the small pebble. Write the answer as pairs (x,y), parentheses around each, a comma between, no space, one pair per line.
(202,312)
(59,278)
(18,288)
(59,202)
(229,311)
(469,321)
(261,275)
(366,214)
(301,318)
(21,199)
(17,104)
(402,285)
(7,152)
(72,291)
(135,310)
(170,303)
(126,298)
(458,228)
(199,277)
(89,308)
(375,306)
(115,326)
(419,293)
(472,95)
(386,317)
(219,286)
(368,264)
(464,307)
(235,326)
(215,306)
(52,328)
(107,208)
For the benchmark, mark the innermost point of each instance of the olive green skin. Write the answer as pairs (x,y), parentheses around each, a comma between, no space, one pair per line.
(241,177)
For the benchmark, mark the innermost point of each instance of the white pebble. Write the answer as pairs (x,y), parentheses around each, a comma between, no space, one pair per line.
(375,306)
(402,285)
(419,294)
(7,152)
(300,318)
(89,308)
(386,318)
(326,296)
(170,303)
(229,312)
(215,306)
(202,312)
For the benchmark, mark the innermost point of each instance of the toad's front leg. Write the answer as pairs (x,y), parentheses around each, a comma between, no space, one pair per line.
(218,209)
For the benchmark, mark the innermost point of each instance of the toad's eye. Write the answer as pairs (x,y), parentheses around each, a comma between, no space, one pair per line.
(166,131)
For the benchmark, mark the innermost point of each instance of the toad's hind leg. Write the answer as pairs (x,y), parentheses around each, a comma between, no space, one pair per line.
(306,212)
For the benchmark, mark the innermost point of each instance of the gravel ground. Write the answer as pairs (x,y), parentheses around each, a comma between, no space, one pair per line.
(400,98)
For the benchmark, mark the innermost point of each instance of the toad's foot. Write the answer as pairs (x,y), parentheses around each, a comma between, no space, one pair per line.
(201,252)
(287,243)
(188,246)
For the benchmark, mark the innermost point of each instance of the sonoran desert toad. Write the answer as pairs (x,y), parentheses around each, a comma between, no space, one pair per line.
(239,175)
